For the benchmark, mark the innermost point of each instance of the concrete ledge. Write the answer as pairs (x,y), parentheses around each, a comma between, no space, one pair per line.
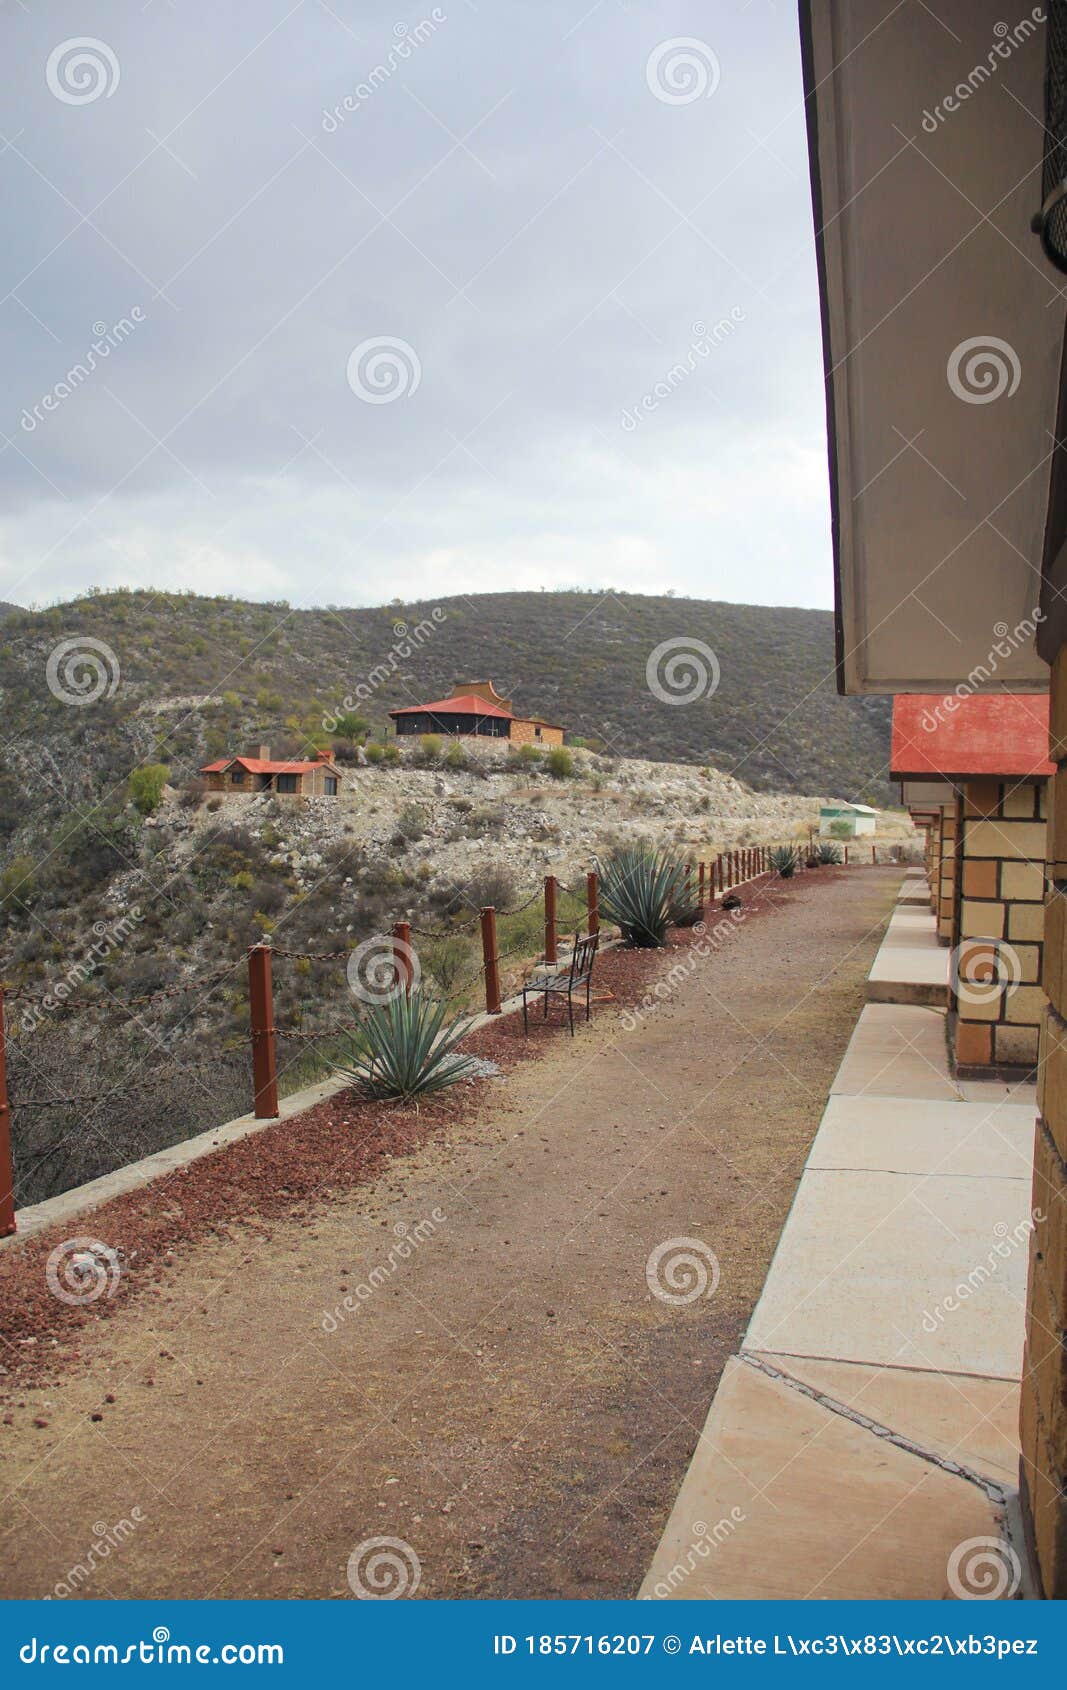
(910,967)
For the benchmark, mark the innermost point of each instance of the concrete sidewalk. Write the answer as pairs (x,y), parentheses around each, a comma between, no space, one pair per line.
(863,1443)
(911,965)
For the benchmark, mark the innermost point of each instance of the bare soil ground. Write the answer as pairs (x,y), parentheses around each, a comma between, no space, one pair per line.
(503,1392)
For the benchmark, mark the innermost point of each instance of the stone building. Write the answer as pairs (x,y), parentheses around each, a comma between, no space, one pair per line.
(475,709)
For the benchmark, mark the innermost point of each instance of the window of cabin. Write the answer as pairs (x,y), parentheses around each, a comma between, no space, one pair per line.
(537,733)
(286,783)
(331,786)
(237,776)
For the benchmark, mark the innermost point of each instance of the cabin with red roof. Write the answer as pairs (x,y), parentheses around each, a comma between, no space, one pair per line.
(975,771)
(316,777)
(475,709)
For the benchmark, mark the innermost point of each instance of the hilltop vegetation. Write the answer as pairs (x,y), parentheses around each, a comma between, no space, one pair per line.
(209,675)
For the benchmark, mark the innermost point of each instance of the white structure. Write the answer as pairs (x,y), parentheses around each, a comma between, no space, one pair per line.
(859,817)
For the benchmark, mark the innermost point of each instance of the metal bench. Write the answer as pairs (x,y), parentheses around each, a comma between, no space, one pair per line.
(566,982)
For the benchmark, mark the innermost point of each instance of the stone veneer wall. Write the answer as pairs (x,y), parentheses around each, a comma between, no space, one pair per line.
(1043,1423)
(998,998)
(946,903)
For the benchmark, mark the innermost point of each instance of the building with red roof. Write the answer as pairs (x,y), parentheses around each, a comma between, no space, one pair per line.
(974,769)
(316,777)
(475,709)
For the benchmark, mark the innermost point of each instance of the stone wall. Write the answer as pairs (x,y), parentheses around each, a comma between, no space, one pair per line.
(1043,1423)
(946,855)
(1000,858)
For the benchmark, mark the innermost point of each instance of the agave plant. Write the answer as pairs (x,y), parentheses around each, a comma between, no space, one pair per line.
(404,1048)
(640,889)
(828,853)
(784,861)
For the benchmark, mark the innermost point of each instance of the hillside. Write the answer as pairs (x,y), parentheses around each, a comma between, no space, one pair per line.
(216,673)
(142,909)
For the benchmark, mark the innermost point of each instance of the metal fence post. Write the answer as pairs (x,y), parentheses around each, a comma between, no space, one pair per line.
(490,960)
(7,1166)
(261,1015)
(592,899)
(402,955)
(551,943)
(700,889)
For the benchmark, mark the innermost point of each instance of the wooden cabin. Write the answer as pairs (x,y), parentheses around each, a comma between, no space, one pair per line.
(475,708)
(319,777)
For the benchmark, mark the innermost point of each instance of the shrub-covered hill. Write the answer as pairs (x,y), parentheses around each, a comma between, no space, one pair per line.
(208,676)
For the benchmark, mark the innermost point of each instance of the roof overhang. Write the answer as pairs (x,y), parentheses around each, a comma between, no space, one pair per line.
(924,796)
(947,738)
(942,329)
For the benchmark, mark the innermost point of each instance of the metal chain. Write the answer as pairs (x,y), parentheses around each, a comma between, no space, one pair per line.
(18,994)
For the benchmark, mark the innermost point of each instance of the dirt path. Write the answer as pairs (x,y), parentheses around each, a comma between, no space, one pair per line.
(510,1400)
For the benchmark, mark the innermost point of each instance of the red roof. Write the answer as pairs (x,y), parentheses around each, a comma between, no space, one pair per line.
(942,736)
(465,704)
(266,766)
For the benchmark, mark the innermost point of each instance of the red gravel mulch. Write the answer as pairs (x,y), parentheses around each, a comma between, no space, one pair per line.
(288,1170)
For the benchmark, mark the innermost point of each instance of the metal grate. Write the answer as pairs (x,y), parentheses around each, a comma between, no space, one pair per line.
(1051,220)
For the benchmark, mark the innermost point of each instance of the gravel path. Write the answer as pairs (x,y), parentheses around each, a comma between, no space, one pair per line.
(502,1392)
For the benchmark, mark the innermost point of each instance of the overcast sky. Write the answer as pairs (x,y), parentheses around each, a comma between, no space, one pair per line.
(582,232)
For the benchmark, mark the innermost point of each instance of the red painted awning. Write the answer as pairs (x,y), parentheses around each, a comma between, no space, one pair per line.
(941,736)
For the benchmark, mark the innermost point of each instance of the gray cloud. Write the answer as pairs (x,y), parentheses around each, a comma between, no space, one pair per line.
(504,194)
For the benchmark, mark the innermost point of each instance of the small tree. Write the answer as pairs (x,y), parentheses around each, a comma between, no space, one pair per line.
(430,747)
(146,786)
(351,728)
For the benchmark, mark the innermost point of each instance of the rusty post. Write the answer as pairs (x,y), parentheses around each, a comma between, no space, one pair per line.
(700,887)
(874,854)
(490,960)
(402,955)
(7,1166)
(261,1014)
(592,899)
(551,943)
(846,856)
